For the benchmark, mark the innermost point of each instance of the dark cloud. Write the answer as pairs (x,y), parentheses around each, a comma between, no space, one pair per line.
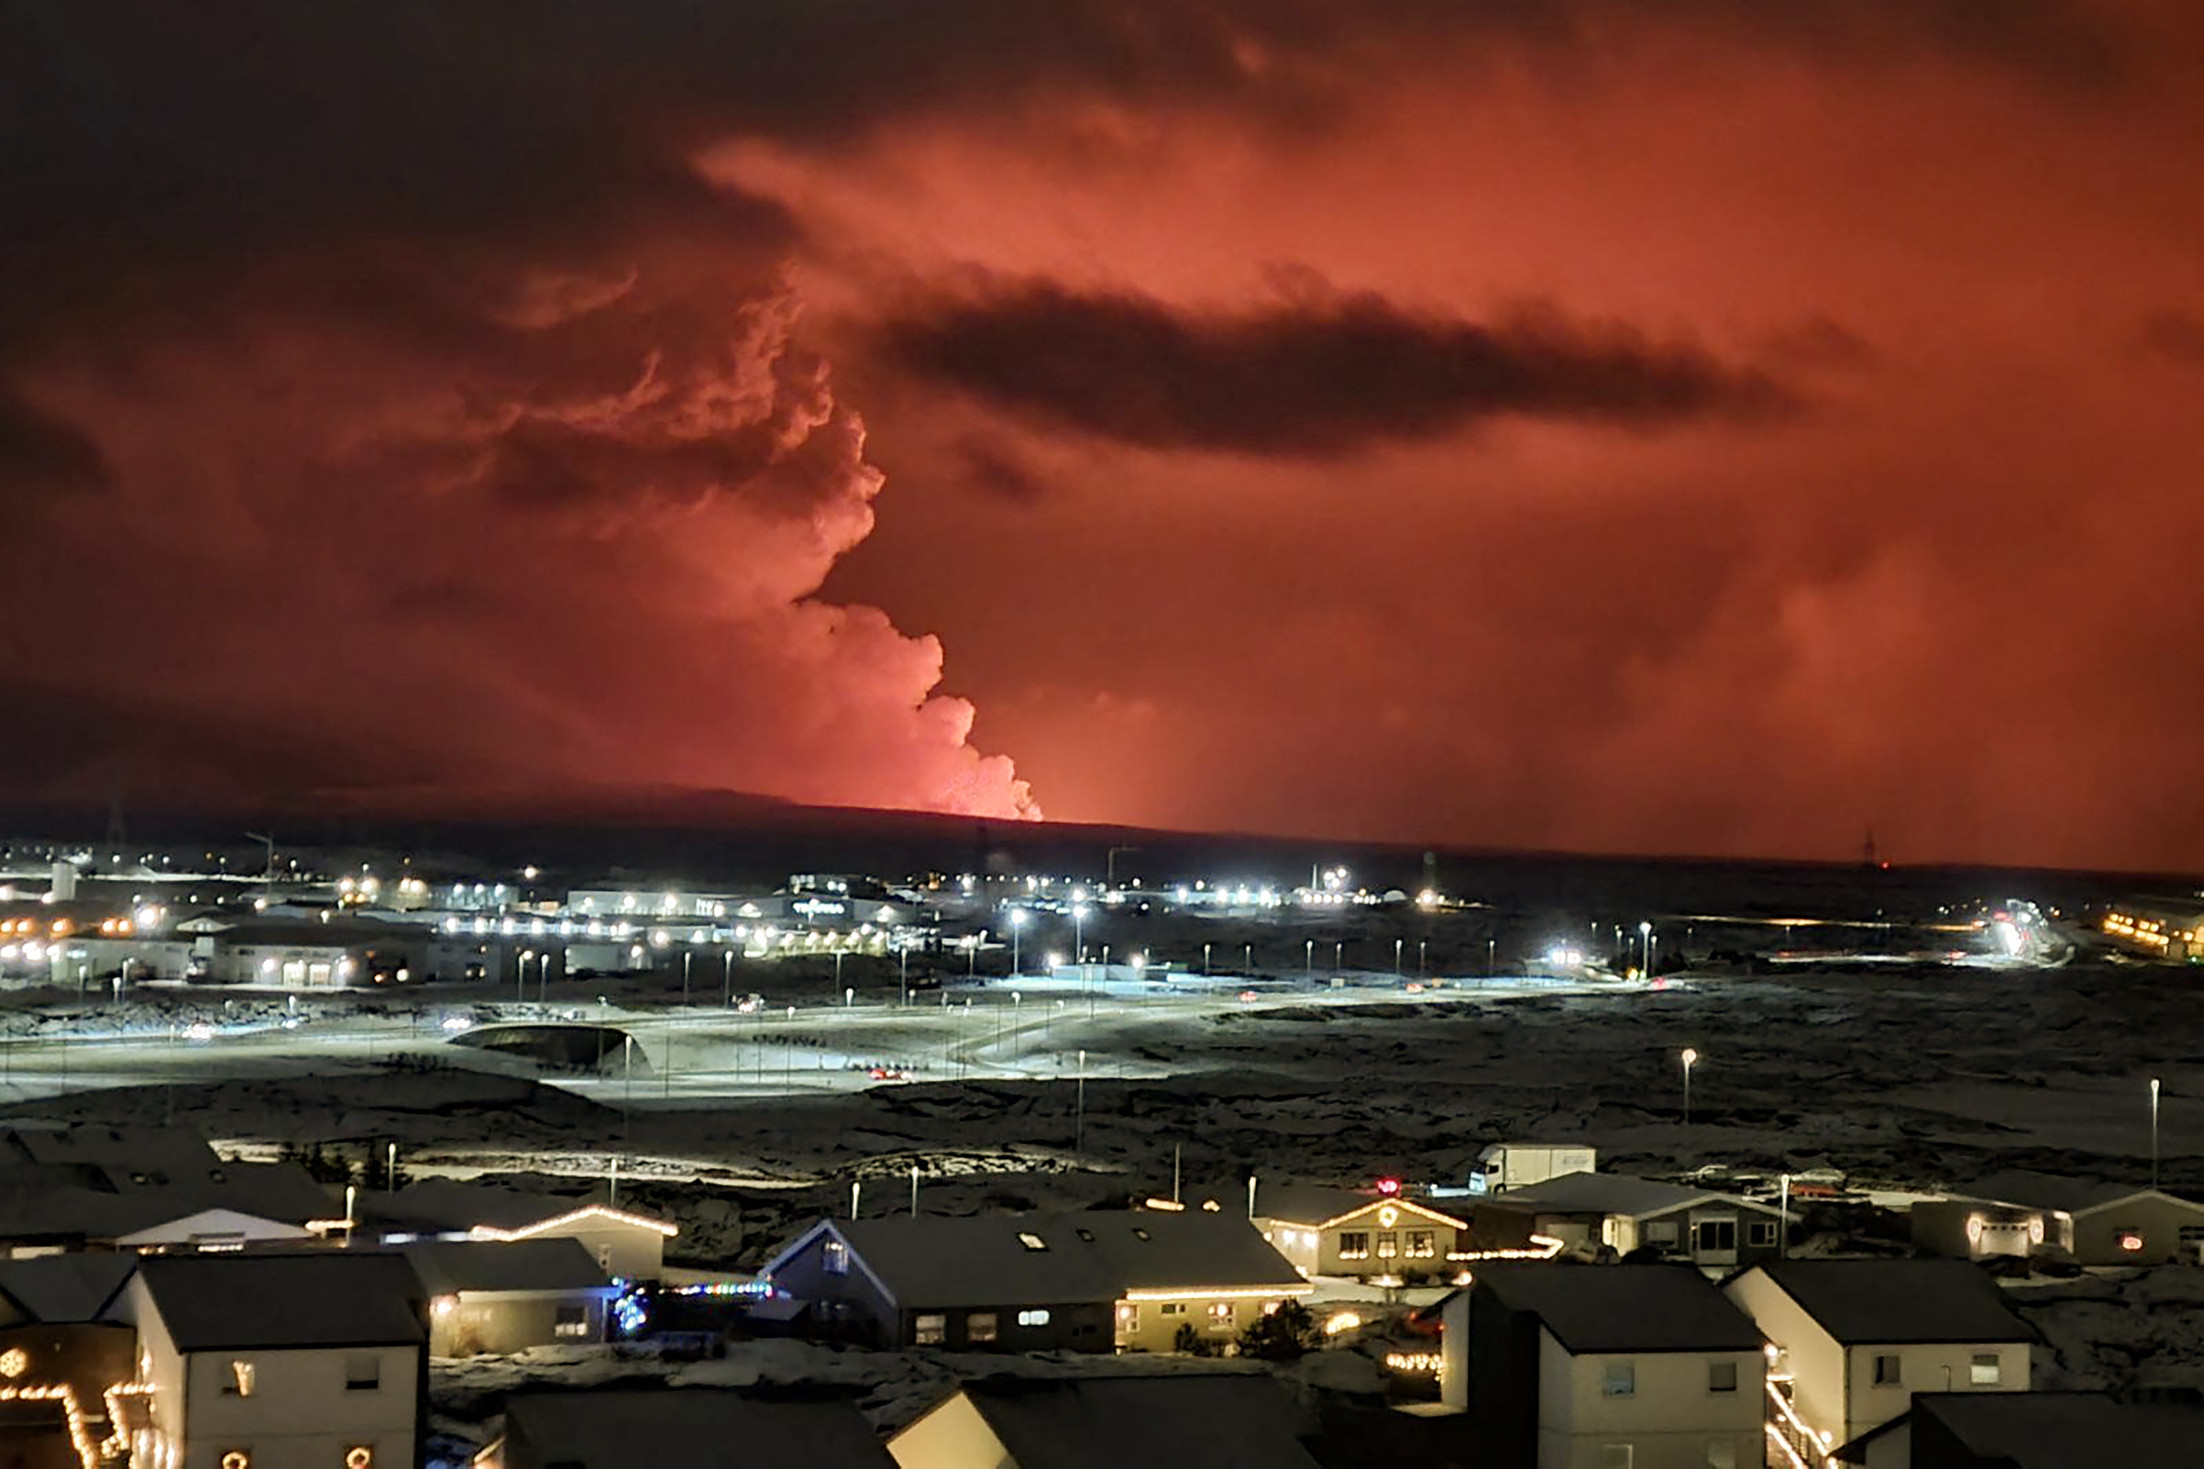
(1322,377)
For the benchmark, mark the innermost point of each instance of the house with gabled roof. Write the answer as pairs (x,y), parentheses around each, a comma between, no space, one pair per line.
(1855,1339)
(1347,1232)
(508,1296)
(621,1428)
(1096,1281)
(1630,1365)
(2105,1223)
(1591,1213)
(311,1358)
(1180,1421)
(66,1357)
(629,1244)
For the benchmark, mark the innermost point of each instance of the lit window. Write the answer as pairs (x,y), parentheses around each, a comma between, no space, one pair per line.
(363,1372)
(1620,1380)
(1032,1241)
(835,1258)
(240,1384)
(1171,1308)
(1354,1244)
(930,1330)
(1421,1244)
(1128,1316)
(979,1326)
(1388,1245)
(1984,1370)
(1220,1313)
(1887,1372)
(570,1321)
(1721,1377)
(1033,1318)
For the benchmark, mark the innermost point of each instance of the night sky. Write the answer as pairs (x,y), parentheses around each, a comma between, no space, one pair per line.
(1713,426)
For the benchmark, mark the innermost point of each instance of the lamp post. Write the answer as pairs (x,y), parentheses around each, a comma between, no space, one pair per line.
(543,977)
(520,974)
(727,963)
(1339,952)
(1247,959)
(686,956)
(1690,1059)
(1421,968)
(2154,1132)
(1017,923)
(1079,1124)
(1645,948)
(1205,960)
(1308,960)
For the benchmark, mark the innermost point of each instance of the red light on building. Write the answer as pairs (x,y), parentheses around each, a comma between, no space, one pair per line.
(1388,1186)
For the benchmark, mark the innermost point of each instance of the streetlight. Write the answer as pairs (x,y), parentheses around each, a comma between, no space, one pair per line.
(1645,948)
(2154,1132)
(1017,923)
(1420,968)
(1079,1126)
(520,974)
(686,956)
(1205,960)
(727,962)
(1079,935)
(1308,960)
(1690,1059)
(1339,950)
(1396,957)
(543,977)
(1247,959)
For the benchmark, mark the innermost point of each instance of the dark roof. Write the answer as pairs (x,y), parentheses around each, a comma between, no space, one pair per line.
(1860,1302)
(2057,1191)
(66,1289)
(309,934)
(1296,1203)
(1609,1193)
(447,1267)
(270,1302)
(613,1430)
(173,1150)
(2056,1430)
(935,1260)
(440,1205)
(1180,1421)
(1624,1308)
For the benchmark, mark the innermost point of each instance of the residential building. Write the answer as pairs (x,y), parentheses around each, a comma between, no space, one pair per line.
(1592,1213)
(2034,1430)
(71,1188)
(498,1296)
(1855,1339)
(1565,1366)
(1344,1232)
(1128,1281)
(629,1245)
(66,1361)
(1979,1229)
(279,1361)
(2106,1223)
(669,1426)
(1204,1421)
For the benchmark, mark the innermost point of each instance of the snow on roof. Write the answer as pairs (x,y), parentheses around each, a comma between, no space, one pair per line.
(1861,1302)
(614,1430)
(276,1302)
(66,1289)
(2058,1191)
(1624,1308)
(1047,1259)
(2055,1430)
(1183,1421)
(1610,1193)
(447,1267)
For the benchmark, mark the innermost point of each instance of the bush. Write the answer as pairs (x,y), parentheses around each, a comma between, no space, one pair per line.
(1187,1342)
(1281,1335)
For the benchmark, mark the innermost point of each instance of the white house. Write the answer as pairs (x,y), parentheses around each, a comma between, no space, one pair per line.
(278,1361)
(1855,1339)
(1564,1366)
(1589,1212)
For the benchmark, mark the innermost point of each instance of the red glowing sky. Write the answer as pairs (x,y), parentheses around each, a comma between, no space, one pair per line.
(1722,432)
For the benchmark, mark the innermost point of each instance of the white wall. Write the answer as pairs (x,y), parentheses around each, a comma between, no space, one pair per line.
(1668,1420)
(1936,1367)
(950,1436)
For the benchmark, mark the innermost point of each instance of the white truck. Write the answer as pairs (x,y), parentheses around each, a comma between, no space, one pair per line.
(1519,1165)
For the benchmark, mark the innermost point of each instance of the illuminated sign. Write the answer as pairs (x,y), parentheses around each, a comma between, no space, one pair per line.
(818,908)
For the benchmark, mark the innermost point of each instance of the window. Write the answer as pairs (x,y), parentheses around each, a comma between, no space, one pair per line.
(930,1330)
(1760,1234)
(1661,1232)
(1354,1244)
(363,1372)
(1388,1245)
(1171,1308)
(1984,1370)
(1721,1376)
(240,1384)
(1615,1456)
(1220,1315)
(1033,1318)
(1128,1316)
(979,1326)
(1887,1373)
(834,1259)
(1715,1234)
(1620,1380)
(1420,1245)
(1032,1241)
(570,1321)
(1721,1454)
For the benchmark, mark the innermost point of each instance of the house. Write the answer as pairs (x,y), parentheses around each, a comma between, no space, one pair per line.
(1854,1339)
(1183,1421)
(276,1360)
(1594,1212)
(1977,1229)
(1129,1281)
(1564,1366)
(2106,1223)
(66,1361)
(73,1188)
(495,1296)
(619,1429)
(627,1244)
(1344,1232)
(2033,1430)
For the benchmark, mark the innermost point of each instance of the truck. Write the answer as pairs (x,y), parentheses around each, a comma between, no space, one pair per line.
(1519,1165)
